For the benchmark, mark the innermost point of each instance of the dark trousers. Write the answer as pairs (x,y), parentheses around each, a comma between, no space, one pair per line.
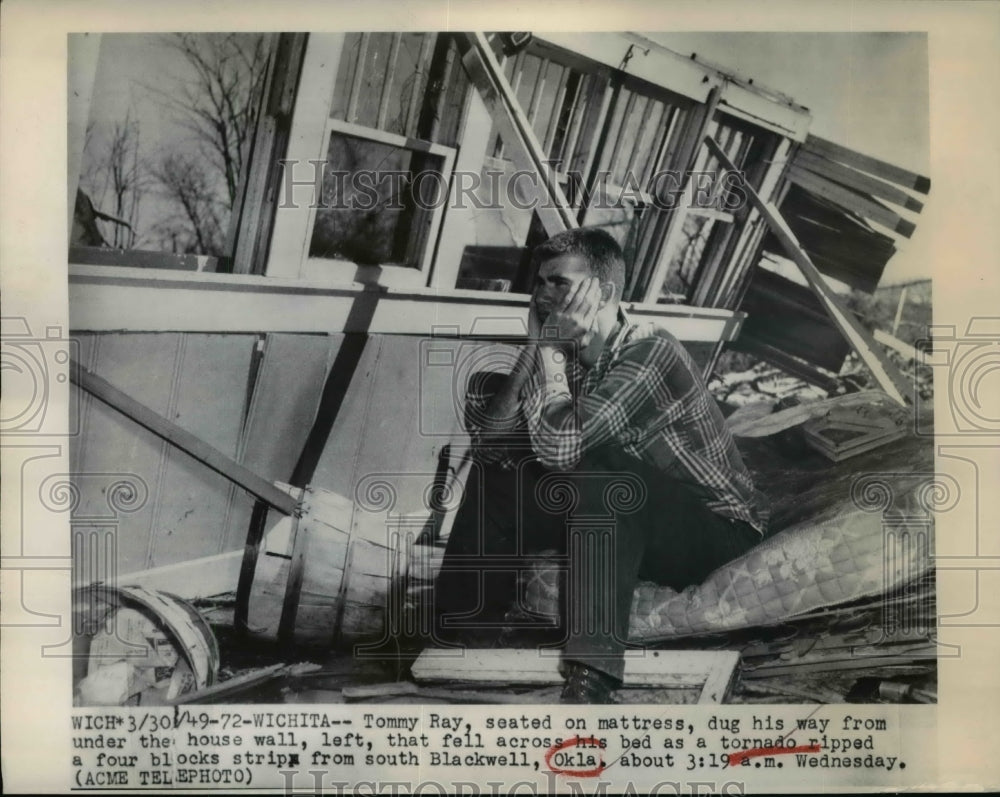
(611,521)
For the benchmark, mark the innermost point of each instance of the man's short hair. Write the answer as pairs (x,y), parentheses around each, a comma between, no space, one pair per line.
(600,251)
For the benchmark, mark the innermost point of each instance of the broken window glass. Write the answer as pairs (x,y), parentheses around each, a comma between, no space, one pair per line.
(379,199)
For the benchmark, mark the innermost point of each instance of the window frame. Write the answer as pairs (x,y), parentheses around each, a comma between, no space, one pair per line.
(318,268)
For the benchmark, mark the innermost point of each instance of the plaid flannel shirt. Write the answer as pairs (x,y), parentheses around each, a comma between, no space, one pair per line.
(644,394)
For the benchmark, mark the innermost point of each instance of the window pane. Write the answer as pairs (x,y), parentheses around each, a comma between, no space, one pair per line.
(684,264)
(380,200)
(171,120)
(389,89)
(409,77)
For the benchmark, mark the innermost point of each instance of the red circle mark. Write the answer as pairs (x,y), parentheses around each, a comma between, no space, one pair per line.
(574,742)
(739,758)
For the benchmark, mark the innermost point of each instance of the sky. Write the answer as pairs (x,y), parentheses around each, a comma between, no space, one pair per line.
(867,91)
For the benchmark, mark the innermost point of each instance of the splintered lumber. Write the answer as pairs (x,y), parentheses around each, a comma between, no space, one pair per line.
(859,181)
(182,439)
(757,420)
(887,171)
(243,682)
(884,371)
(857,202)
(710,670)
(908,351)
(851,659)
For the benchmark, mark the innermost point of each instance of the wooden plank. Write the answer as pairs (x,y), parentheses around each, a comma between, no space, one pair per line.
(254,170)
(862,204)
(788,316)
(574,118)
(419,84)
(661,68)
(389,434)
(335,469)
(191,514)
(285,399)
(390,74)
(282,407)
(859,181)
(305,139)
(559,98)
(343,372)
(879,168)
(536,91)
(859,659)
(647,111)
(299,543)
(182,439)
(658,127)
(620,134)
(748,424)
(106,300)
(580,148)
(232,686)
(516,131)
(900,346)
(787,362)
(359,68)
(757,157)
(270,144)
(135,258)
(669,225)
(111,444)
(885,373)
(650,668)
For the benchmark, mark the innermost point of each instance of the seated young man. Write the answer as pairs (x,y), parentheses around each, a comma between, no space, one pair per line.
(619,411)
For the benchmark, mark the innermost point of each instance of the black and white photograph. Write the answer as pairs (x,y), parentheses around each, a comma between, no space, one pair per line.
(441,406)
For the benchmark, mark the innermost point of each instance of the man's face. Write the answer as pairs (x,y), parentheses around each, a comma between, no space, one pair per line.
(556,278)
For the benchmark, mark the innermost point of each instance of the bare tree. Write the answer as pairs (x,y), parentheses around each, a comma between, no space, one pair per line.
(126,179)
(197,225)
(217,102)
(114,180)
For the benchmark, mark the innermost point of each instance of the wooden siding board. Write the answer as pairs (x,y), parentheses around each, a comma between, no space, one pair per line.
(859,181)
(192,508)
(880,168)
(336,464)
(392,442)
(285,400)
(141,365)
(284,403)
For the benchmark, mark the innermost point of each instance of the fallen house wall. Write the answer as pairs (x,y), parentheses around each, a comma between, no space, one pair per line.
(245,360)
(255,398)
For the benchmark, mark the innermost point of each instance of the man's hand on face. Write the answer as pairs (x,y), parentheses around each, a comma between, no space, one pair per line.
(572,320)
